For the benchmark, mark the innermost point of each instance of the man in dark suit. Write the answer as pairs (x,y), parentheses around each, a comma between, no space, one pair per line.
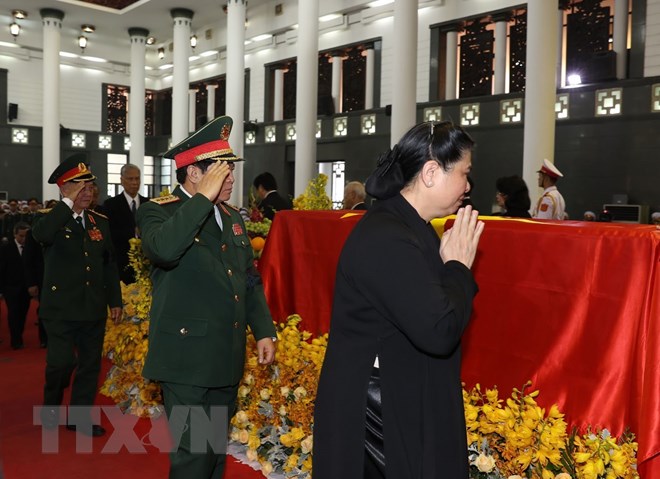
(12,217)
(121,210)
(354,196)
(206,292)
(271,201)
(80,283)
(33,261)
(13,285)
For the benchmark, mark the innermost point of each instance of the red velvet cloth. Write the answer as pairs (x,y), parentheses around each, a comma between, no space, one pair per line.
(573,306)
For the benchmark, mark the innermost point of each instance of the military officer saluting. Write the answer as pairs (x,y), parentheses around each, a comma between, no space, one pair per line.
(206,292)
(80,282)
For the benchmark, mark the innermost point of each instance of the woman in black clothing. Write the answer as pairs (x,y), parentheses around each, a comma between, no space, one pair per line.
(389,401)
(513,197)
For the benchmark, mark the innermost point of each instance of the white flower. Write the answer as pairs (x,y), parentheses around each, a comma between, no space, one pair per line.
(242,417)
(282,410)
(299,392)
(243,391)
(234,435)
(248,379)
(243,436)
(266,468)
(307,444)
(265,394)
(285,391)
(484,463)
(252,455)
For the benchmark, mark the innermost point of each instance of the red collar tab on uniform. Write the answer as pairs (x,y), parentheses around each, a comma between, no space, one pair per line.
(212,149)
(73,173)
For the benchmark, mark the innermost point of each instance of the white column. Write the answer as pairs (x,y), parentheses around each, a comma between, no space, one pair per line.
(136,105)
(192,110)
(620,37)
(560,45)
(210,102)
(404,76)
(182,20)
(235,94)
(501,41)
(337,62)
(451,70)
(370,55)
(51,20)
(307,93)
(278,95)
(540,91)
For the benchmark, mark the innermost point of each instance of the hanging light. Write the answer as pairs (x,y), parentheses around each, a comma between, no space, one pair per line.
(193,41)
(161,53)
(82,42)
(15,29)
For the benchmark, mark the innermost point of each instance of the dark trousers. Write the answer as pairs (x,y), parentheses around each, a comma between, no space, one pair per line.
(73,345)
(17,309)
(374,449)
(187,461)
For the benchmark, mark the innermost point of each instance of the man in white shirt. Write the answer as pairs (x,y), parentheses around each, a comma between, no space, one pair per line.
(551,204)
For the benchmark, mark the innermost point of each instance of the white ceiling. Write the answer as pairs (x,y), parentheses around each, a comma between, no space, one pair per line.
(111,39)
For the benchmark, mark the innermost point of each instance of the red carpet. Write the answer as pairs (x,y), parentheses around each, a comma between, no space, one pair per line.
(21,456)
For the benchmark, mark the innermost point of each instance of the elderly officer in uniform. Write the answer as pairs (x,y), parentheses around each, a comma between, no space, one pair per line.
(206,292)
(80,282)
(551,205)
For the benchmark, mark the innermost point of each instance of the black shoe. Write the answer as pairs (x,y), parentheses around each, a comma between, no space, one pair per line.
(96,430)
(50,417)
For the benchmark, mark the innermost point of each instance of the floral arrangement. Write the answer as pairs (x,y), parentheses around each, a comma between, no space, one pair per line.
(275,403)
(314,197)
(126,343)
(510,438)
(516,438)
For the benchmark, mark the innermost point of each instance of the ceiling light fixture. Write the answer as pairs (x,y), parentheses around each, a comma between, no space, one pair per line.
(82,42)
(193,41)
(14,29)
(88,28)
(161,53)
(19,14)
(151,40)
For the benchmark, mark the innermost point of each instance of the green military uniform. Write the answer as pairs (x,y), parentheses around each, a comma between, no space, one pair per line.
(80,282)
(206,292)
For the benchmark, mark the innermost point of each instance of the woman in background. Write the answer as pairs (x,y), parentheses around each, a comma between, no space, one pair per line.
(389,401)
(512,197)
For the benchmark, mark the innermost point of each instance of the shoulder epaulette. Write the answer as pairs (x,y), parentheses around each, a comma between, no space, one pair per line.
(44,210)
(98,214)
(164,200)
(233,207)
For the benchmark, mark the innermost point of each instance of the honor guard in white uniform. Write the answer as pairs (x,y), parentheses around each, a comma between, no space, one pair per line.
(551,204)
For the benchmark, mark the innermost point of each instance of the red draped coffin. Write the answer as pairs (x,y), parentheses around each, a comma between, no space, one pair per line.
(573,306)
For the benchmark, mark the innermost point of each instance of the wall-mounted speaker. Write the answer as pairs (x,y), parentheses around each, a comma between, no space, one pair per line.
(12,111)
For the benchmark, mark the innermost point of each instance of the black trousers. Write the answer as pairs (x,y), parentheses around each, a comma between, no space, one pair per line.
(18,305)
(73,345)
(374,450)
(189,461)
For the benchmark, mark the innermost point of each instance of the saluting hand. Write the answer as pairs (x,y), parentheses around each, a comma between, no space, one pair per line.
(460,242)
(266,350)
(211,182)
(70,189)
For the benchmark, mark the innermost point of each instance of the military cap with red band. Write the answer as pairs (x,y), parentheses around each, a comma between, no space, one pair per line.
(210,142)
(74,168)
(550,170)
